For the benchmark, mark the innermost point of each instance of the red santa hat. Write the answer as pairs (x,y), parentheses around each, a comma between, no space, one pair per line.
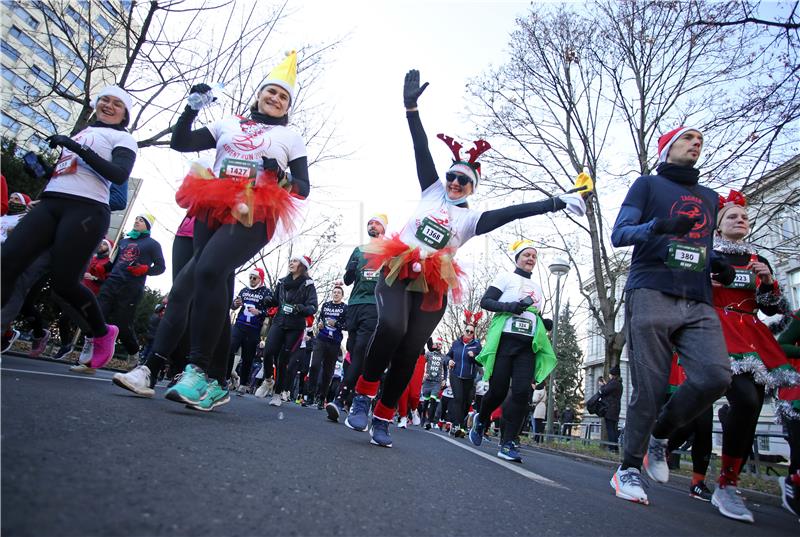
(20,197)
(305,260)
(666,140)
(258,272)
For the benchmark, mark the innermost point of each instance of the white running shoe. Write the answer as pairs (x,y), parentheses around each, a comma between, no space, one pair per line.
(137,380)
(276,400)
(86,352)
(415,419)
(285,396)
(627,484)
(262,390)
(83,368)
(655,461)
(730,504)
(403,423)
(270,386)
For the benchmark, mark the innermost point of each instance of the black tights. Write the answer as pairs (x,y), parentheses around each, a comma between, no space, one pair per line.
(324,359)
(745,398)
(462,397)
(513,365)
(361,322)
(71,230)
(699,429)
(278,349)
(793,428)
(403,329)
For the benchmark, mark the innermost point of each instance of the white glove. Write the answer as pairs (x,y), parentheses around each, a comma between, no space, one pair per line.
(575,203)
(198,101)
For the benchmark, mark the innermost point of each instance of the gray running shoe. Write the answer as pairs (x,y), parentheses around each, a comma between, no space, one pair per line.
(730,504)
(655,461)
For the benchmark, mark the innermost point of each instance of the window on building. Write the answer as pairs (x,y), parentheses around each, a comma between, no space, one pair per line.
(84,4)
(63,48)
(39,73)
(23,14)
(21,36)
(59,110)
(9,51)
(107,26)
(38,119)
(75,82)
(20,83)
(794,288)
(38,141)
(790,226)
(109,6)
(73,14)
(10,123)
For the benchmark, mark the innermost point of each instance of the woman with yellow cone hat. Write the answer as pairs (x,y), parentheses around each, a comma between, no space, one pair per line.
(419,269)
(237,204)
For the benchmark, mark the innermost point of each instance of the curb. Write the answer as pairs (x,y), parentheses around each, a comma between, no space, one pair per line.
(754,495)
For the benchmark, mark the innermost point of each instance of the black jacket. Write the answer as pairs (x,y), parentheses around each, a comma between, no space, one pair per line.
(612,394)
(296,300)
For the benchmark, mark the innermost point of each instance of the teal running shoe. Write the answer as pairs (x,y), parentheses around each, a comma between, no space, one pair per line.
(191,389)
(215,396)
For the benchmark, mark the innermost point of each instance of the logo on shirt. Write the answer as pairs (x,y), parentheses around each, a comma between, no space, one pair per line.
(693,207)
(130,253)
(247,142)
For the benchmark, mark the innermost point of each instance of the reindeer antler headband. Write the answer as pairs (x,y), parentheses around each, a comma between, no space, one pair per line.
(470,167)
(472,317)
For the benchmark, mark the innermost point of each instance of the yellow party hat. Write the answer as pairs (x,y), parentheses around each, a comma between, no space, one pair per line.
(285,74)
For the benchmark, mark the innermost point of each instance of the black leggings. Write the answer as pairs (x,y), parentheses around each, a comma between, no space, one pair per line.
(361,322)
(246,338)
(745,398)
(118,301)
(793,428)
(403,329)
(700,430)
(324,358)
(182,253)
(513,365)
(462,397)
(71,230)
(278,350)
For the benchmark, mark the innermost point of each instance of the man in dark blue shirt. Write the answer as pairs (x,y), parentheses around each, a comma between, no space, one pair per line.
(669,219)
(246,332)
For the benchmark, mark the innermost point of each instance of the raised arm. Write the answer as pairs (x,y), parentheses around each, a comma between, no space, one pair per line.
(491,220)
(426,172)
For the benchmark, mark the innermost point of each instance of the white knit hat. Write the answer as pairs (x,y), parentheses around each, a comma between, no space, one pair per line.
(114,91)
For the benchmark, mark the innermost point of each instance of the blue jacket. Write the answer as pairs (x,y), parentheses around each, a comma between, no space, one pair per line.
(466,366)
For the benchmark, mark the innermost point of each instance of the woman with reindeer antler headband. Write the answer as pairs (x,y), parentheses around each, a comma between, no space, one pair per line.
(463,368)
(419,269)
(757,361)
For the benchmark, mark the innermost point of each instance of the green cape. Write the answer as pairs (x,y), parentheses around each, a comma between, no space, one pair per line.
(545,357)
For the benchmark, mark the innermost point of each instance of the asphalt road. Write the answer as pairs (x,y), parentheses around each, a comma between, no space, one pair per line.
(82,457)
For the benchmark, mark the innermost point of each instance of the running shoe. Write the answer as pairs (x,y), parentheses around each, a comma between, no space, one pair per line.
(284,396)
(9,338)
(402,423)
(103,347)
(215,396)
(730,504)
(459,432)
(137,380)
(86,353)
(320,404)
(276,400)
(176,379)
(191,389)
(470,417)
(262,390)
(415,419)
(334,410)
(627,484)
(476,432)
(39,344)
(358,419)
(790,496)
(63,352)
(379,433)
(83,368)
(509,452)
(427,426)
(655,460)
(700,491)
(241,391)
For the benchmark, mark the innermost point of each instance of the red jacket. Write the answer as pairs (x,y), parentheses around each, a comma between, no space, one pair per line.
(99,267)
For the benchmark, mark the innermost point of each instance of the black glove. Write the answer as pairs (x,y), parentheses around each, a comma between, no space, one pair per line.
(64,141)
(515,307)
(412,89)
(722,271)
(548,324)
(270,164)
(676,225)
(200,88)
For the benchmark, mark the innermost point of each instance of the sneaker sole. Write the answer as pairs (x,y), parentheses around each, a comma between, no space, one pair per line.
(223,401)
(174,395)
(83,371)
(782,483)
(333,412)
(698,497)
(374,443)
(728,514)
(507,458)
(347,423)
(473,442)
(122,382)
(619,494)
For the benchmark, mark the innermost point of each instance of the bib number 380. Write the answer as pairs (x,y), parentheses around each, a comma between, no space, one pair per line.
(686,257)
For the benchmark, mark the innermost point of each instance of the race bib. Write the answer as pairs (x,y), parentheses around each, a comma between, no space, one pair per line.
(523,326)
(287,309)
(433,233)
(745,279)
(370,275)
(686,257)
(66,165)
(234,168)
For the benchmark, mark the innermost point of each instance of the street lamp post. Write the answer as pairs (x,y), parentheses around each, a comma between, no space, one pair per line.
(559,267)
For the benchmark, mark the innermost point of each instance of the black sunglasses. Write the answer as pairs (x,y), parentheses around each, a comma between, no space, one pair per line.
(469,331)
(463,180)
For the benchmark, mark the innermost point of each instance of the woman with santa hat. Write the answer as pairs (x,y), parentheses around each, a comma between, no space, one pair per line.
(419,268)
(73,214)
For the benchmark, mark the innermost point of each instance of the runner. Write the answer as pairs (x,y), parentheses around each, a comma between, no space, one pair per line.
(433,381)
(252,302)
(331,321)
(788,411)
(462,368)
(517,349)
(419,269)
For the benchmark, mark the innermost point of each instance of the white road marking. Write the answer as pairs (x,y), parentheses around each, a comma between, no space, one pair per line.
(75,376)
(511,466)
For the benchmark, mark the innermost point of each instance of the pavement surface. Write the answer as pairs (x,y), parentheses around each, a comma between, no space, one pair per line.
(81,456)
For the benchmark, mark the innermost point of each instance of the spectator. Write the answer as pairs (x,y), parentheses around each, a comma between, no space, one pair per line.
(567,419)
(539,402)
(611,392)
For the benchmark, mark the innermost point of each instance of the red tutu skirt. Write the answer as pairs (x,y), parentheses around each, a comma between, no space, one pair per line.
(433,275)
(228,201)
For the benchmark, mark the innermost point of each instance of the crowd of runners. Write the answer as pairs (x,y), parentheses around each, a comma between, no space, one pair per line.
(694,292)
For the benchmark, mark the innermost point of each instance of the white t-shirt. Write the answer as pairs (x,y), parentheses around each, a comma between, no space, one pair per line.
(242,142)
(73,176)
(515,288)
(437,223)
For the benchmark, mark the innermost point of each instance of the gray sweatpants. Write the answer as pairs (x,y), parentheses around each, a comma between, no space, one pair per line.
(657,324)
